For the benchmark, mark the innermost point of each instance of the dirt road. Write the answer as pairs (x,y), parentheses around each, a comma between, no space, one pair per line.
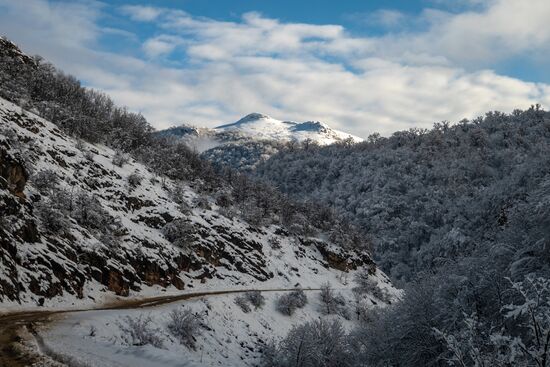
(16,350)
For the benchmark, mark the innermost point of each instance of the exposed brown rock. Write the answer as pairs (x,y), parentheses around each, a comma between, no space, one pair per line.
(117,283)
(13,173)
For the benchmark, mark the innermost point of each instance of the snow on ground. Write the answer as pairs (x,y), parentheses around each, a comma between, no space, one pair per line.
(233,338)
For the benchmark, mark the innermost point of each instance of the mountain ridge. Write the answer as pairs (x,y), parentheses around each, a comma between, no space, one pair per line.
(264,127)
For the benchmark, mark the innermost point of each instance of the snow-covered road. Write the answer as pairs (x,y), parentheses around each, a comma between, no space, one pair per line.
(11,323)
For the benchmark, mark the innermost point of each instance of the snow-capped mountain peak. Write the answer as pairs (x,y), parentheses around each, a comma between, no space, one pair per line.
(253,117)
(254,138)
(263,127)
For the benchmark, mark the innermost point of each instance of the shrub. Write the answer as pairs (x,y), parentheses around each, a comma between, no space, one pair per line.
(180,232)
(110,240)
(134,179)
(45,180)
(223,199)
(275,243)
(300,297)
(256,299)
(363,281)
(120,159)
(367,285)
(201,203)
(62,199)
(53,220)
(139,332)
(242,302)
(185,325)
(89,155)
(80,145)
(333,303)
(89,212)
(289,302)
(319,343)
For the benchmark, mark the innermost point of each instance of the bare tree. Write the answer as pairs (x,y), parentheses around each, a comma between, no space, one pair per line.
(139,331)
(186,326)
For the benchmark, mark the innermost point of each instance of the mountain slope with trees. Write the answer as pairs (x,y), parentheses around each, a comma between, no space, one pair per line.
(430,197)
(460,214)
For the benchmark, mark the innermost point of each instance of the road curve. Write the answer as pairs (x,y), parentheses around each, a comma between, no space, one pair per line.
(11,324)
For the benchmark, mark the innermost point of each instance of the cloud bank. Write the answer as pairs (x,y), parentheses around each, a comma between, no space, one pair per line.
(424,68)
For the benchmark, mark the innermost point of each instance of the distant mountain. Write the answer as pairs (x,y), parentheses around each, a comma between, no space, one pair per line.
(254,138)
(263,127)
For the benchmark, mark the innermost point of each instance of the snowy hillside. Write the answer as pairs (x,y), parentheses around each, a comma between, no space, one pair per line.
(263,127)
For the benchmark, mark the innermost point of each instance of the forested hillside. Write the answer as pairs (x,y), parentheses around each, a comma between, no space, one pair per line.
(460,212)
(431,197)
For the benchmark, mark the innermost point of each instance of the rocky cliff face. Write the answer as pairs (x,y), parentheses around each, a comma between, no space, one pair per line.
(74,227)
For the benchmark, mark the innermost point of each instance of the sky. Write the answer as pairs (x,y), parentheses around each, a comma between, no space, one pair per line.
(360,66)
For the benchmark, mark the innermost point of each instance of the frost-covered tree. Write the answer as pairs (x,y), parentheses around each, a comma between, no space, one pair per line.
(523,339)
(319,343)
(289,302)
(180,232)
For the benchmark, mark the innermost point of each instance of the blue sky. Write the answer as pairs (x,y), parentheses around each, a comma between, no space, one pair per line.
(305,11)
(361,66)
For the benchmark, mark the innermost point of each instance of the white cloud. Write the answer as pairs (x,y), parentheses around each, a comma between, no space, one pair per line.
(297,71)
(501,29)
(388,18)
(141,13)
(73,24)
(160,45)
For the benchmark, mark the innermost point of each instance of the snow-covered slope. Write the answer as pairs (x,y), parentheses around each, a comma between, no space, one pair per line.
(85,227)
(263,127)
(230,337)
